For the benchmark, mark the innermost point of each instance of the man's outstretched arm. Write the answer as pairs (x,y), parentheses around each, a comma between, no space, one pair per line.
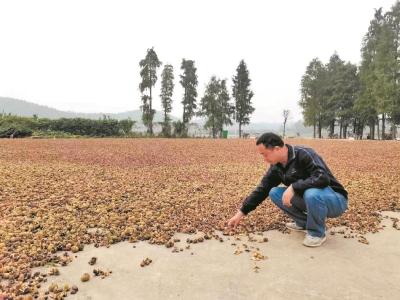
(270,180)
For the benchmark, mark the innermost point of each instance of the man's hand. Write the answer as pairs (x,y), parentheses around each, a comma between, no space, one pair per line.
(287,196)
(235,220)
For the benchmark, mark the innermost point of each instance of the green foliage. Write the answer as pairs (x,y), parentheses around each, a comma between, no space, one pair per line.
(54,134)
(179,129)
(80,126)
(328,93)
(342,87)
(126,126)
(189,83)
(215,106)
(167,89)
(148,73)
(14,126)
(338,92)
(312,94)
(147,113)
(242,95)
(14,130)
(166,128)
(380,69)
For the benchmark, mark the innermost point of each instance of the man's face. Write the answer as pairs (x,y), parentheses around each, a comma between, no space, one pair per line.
(270,154)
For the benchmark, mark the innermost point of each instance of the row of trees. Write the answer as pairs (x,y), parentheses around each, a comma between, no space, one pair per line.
(340,93)
(328,94)
(15,126)
(215,105)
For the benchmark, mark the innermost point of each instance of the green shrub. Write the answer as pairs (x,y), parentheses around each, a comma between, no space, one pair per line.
(14,130)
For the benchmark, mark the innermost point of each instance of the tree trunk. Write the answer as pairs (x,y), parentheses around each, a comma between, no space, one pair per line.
(184,116)
(372,129)
(213,129)
(183,120)
(377,121)
(284,129)
(315,128)
(383,127)
(341,129)
(240,129)
(345,131)
(393,131)
(357,132)
(332,128)
(151,114)
(319,128)
(165,123)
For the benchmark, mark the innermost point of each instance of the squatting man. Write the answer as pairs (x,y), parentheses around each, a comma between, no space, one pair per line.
(311,195)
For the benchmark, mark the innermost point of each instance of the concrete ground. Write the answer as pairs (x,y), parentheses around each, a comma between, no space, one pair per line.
(340,269)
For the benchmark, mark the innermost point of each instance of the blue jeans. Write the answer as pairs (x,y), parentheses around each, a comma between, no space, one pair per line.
(311,210)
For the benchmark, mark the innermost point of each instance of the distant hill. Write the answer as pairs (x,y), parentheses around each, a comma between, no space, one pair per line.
(28,109)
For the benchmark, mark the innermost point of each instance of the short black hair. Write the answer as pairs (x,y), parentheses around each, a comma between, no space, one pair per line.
(270,140)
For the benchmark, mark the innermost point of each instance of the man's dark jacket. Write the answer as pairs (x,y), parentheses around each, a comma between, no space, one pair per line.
(305,169)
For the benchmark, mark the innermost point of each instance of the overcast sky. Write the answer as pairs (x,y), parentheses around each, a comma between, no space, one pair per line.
(84,56)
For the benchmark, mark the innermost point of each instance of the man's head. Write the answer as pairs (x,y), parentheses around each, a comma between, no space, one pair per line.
(271,147)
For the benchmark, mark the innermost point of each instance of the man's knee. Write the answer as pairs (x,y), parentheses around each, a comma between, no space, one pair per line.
(311,195)
(275,195)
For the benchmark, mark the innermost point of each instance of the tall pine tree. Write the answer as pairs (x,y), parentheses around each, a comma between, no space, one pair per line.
(393,18)
(148,73)
(167,89)
(189,83)
(366,104)
(242,95)
(312,95)
(216,107)
(341,91)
